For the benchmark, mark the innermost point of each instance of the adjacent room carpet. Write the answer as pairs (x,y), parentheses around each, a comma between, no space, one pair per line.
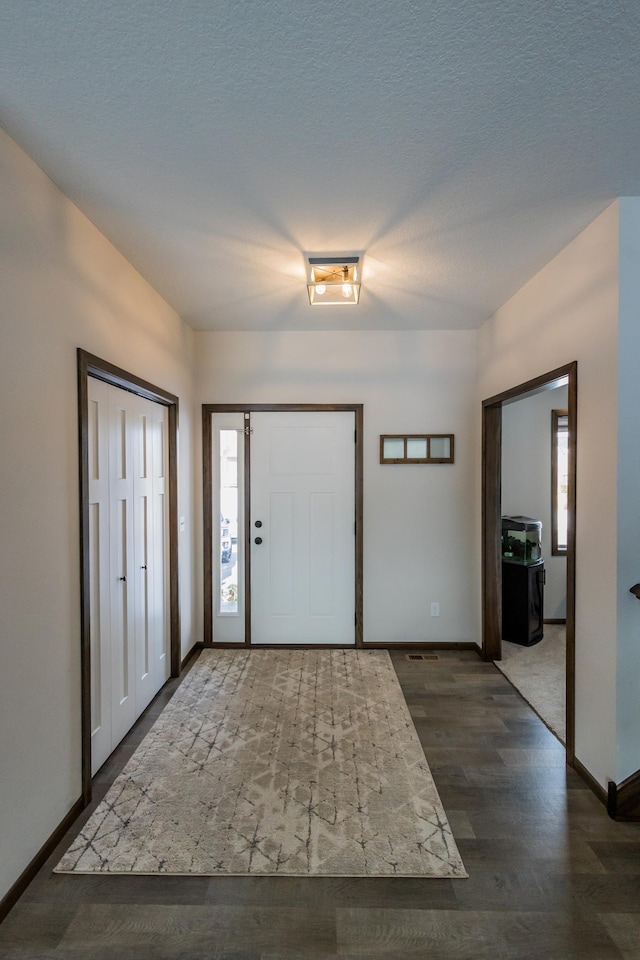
(539,674)
(270,762)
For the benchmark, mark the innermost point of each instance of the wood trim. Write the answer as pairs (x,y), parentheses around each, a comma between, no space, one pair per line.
(571,566)
(88,365)
(359,544)
(207,527)
(291,646)
(282,407)
(491,529)
(491,509)
(247,534)
(28,874)
(427,437)
(103,370)
(85,582)
(623,799)
(418,645)
(175,639)
(544,381)
(210,408)
(590,780)
(240,645)
(559,621)
(426,645)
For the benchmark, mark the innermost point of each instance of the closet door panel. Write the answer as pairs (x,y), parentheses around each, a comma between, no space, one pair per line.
(122,565)
(99,574)
(159,567)
(142,548)
(128,566)
(150,523)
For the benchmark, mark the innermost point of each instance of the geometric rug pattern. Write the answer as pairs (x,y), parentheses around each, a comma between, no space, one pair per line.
(275,762)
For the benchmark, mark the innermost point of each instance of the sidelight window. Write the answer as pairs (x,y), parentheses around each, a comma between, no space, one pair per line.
(228,513)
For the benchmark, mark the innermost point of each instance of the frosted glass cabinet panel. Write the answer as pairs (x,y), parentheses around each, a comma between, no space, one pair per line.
(417,448)
(439,448)
(394,448)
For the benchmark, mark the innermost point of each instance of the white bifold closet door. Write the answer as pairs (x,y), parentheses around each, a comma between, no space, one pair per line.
(128,561)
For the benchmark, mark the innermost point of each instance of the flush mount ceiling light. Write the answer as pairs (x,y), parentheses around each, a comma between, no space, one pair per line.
(333,280)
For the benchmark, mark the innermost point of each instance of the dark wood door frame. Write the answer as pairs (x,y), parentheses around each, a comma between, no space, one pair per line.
(491,526)
(207,481)
(89,365)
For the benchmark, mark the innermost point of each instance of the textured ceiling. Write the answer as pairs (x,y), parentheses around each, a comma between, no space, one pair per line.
(459,145)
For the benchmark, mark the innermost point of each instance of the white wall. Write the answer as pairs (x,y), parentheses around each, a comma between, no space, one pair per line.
(526,480)
(569,311)
(418,520)
(63,286)
(628,556)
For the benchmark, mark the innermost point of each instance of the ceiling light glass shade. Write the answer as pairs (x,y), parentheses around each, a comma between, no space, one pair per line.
(333,280)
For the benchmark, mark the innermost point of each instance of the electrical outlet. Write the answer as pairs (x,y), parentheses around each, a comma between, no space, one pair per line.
(435,609)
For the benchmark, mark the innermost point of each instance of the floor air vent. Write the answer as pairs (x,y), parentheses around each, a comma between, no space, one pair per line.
(421,656)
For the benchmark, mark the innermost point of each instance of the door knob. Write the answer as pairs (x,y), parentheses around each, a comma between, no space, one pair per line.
(258,540)
(258,523)
(635,590)
(122,578)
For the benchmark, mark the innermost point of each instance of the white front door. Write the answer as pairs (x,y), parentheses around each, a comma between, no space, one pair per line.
(303,527)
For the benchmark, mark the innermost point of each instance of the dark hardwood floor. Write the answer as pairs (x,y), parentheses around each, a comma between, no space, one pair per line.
(551,876)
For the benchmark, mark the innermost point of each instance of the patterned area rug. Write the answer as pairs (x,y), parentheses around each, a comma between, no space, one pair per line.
(269,762)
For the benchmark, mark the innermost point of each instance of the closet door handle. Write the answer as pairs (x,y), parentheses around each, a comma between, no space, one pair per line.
(143,567)
(122,578)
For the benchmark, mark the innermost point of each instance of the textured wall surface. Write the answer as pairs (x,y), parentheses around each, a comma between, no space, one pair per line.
(461,145)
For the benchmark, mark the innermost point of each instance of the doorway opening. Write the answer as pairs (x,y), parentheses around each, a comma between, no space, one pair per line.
(492,429)
(282,498)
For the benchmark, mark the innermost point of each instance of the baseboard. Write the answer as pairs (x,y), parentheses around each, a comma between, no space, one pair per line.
(417,645)
(562,622)
(623,799)
(423,645)
(296,646)
(13,895)
(227,646)
(590,781)
(196,648)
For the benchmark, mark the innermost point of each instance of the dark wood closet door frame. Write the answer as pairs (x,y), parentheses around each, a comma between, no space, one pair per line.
(207,481)
(491,527)
(92,366)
